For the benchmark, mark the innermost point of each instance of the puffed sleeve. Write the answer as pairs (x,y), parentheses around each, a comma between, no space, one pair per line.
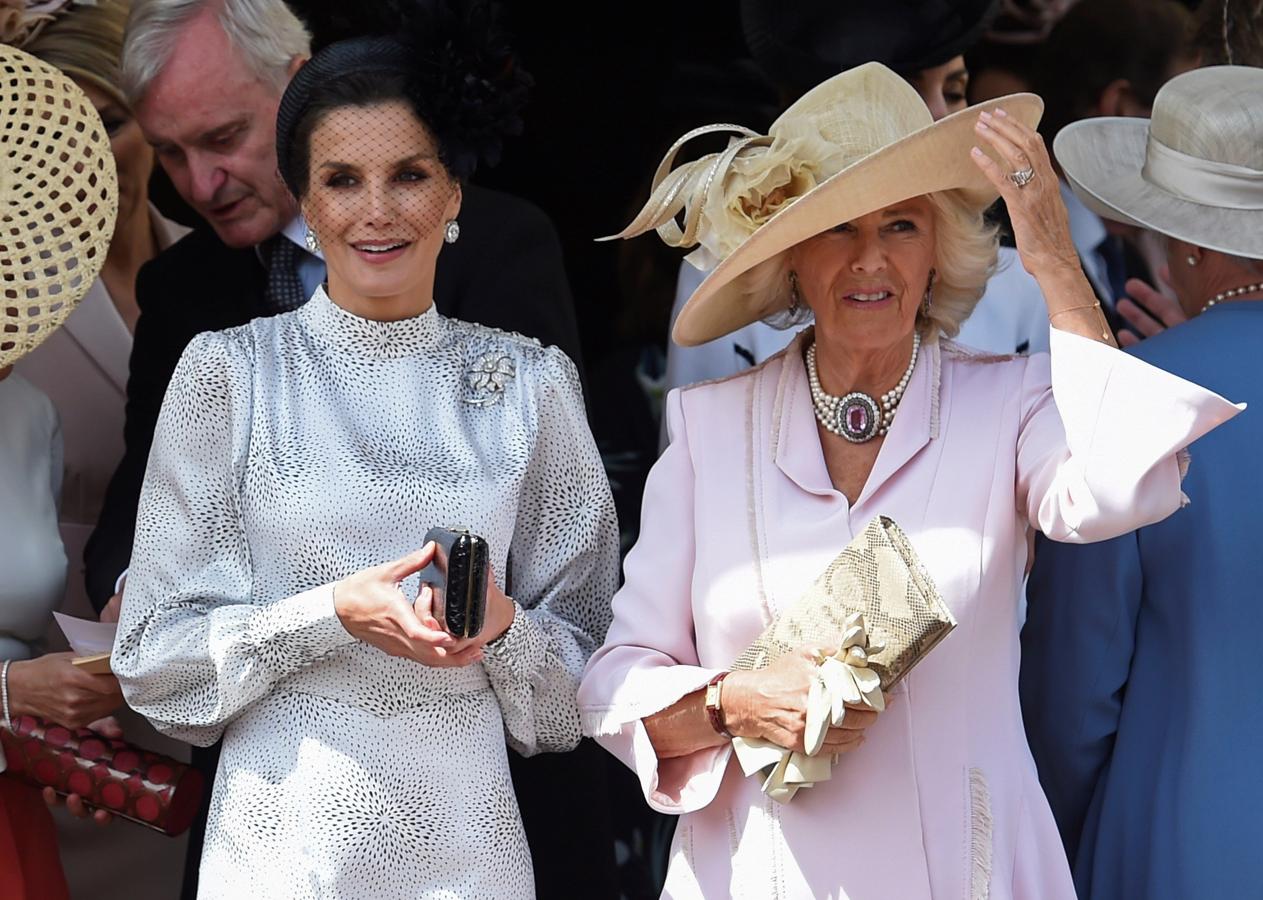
(1100,439)
(650,659)
(563,567)
(194,646)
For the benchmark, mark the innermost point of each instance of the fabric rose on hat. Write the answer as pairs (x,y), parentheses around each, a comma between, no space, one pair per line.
(758,183)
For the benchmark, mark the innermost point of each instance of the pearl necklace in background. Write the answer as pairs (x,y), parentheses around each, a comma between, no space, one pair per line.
(1235,292)
(857,416)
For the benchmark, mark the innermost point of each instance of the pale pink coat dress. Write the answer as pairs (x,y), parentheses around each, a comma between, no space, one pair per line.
(740,517)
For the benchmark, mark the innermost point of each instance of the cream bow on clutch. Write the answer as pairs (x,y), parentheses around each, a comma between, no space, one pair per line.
(877,605)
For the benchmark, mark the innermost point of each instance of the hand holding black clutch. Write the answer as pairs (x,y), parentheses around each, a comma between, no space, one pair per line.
(458,576)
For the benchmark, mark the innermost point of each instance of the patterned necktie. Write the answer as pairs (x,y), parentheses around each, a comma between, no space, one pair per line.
(285,288)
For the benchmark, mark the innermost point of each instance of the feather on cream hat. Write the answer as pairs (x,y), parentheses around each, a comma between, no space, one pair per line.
(854,144)
(58,200)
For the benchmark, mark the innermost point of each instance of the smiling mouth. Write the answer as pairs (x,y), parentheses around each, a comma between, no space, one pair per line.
(869,296)
(380,247)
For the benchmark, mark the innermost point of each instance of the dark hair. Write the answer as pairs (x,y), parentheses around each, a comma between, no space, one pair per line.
(446,59)
(1103,41)
(1230,32)
(362,89)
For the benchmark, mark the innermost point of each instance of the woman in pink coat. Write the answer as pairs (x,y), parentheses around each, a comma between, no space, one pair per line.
(859,209)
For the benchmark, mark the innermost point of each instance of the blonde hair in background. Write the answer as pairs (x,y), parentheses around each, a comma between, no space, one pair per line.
(86,42)
(266,33)
(965,250)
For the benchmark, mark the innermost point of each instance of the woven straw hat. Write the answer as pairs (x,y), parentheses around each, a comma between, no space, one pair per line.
(856,143)
(1194,171)
(58,200)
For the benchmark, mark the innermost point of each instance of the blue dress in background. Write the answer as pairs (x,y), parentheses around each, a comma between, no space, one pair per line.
(1142,659)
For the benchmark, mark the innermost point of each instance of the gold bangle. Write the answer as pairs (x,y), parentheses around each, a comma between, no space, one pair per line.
(1096,305)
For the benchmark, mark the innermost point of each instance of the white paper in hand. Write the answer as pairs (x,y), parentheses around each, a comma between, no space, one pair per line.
(87,638)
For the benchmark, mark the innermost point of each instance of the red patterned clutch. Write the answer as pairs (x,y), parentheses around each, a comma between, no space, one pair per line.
(153,790)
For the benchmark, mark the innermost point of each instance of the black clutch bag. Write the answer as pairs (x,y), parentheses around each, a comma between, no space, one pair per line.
(458,576)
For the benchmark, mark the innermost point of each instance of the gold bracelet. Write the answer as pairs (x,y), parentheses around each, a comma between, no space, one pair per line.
(1096,305)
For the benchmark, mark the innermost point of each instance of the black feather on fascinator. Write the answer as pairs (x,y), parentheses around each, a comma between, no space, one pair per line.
(460,74)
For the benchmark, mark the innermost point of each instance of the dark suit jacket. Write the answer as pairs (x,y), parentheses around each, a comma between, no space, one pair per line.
(505,271)
(1141,666)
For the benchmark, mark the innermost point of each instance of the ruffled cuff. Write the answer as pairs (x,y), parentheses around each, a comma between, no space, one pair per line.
(299,629)
(519,653)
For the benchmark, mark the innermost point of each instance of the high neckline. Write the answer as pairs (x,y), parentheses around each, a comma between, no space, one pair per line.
(370,337)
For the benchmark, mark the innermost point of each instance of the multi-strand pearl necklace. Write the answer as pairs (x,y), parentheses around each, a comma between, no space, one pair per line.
(857,416)
(1235,292)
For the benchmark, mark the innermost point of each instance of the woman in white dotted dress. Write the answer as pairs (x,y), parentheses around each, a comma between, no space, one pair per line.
(298,463)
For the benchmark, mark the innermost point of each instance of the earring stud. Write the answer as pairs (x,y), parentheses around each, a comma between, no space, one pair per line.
(1191,259)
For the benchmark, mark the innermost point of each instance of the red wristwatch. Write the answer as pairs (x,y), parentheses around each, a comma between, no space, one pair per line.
(714,705)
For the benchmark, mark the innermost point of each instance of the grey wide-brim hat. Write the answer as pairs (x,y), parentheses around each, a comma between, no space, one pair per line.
(1194,171)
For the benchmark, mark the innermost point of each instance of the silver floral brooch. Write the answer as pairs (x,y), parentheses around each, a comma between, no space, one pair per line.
(487,377)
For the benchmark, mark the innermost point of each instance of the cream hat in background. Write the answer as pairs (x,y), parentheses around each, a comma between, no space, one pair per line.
(1194,171)
(854,144)
(58,200)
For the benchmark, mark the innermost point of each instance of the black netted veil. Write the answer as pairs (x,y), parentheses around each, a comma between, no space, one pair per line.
(461,77)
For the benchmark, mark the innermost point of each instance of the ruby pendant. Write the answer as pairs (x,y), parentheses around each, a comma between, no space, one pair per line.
(857,417)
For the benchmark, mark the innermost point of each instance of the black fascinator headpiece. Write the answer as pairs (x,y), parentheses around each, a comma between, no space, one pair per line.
(447,58)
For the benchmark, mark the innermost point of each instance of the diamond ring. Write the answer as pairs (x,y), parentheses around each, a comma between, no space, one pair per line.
(1023,177)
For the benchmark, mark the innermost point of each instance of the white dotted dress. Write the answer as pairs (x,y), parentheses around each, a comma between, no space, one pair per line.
(292,452)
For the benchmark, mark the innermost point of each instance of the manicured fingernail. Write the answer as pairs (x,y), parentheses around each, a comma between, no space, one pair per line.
(982,126)
(999,113)
(984,115)
(974,151)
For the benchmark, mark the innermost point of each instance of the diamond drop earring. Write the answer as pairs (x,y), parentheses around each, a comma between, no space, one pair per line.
(452,231)
(312,242)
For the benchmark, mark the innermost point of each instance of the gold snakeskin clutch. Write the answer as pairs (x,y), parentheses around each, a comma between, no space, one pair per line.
(879,576)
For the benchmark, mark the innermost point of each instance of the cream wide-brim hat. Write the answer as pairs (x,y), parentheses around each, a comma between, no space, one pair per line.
(58,200)
(861,141)
(1194,171)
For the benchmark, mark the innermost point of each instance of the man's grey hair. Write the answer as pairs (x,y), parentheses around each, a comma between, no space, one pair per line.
(266,34)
